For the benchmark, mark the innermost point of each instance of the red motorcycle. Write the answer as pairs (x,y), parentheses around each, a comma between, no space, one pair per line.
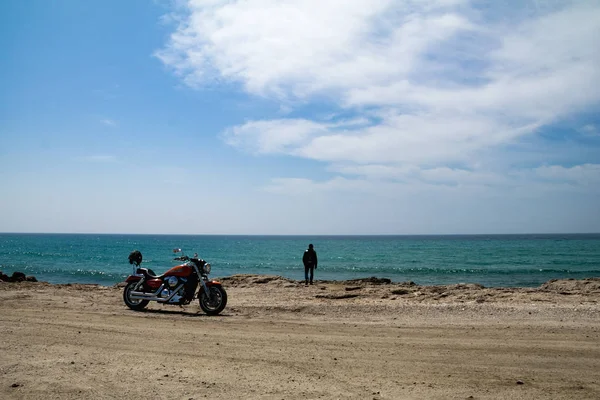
(179,285)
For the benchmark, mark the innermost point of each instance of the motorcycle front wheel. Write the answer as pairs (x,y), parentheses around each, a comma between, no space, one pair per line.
(214,302)
(134,304)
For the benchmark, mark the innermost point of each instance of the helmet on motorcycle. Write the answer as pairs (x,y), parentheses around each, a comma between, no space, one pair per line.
(135,257)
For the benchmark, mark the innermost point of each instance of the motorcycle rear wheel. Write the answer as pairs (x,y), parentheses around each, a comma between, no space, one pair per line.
(215,303)
(134,304)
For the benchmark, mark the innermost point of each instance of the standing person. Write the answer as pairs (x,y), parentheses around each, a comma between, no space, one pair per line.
(310,264)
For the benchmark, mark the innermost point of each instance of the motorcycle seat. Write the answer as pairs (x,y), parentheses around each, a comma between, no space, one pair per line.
(148,273)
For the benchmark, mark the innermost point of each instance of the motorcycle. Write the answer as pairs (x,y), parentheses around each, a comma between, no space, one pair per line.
(180,285)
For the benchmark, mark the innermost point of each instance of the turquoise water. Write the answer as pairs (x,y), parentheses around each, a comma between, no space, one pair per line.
(491,260)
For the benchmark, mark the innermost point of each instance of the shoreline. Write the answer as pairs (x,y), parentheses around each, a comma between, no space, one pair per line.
(379,293)
(570,284)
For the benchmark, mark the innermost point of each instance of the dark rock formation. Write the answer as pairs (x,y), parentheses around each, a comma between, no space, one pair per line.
(16,277)
(372,280)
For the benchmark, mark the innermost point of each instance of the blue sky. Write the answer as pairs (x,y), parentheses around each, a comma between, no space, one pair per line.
(300,117)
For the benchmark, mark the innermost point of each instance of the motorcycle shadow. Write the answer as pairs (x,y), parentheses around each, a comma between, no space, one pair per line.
(182,312)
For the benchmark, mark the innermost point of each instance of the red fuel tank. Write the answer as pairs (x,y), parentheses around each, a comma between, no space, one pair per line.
(182,271)
(154,283)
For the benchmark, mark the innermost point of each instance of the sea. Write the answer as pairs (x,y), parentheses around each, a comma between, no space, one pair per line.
(489,260)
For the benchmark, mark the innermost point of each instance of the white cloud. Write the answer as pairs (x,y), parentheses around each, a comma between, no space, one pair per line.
(109,122)
(276,136)
(297,48)
(590,130)
(428,84)
(414,176)
(398,138)
(586,174)
(307,187)
(401,182)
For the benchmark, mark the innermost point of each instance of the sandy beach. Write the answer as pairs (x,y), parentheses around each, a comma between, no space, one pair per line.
(280,339)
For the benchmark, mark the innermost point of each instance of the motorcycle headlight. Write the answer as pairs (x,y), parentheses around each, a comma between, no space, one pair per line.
(207,268)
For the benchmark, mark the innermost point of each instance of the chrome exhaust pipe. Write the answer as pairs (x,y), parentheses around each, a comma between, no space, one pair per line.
(145,295)
(149,298)
(154,296)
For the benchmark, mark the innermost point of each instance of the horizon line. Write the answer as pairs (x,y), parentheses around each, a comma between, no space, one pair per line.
(301,235)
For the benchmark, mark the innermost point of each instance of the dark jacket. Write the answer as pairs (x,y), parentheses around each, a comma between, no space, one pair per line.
(310,258)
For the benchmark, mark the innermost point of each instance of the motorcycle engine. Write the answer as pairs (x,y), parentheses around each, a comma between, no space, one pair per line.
(172,282)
